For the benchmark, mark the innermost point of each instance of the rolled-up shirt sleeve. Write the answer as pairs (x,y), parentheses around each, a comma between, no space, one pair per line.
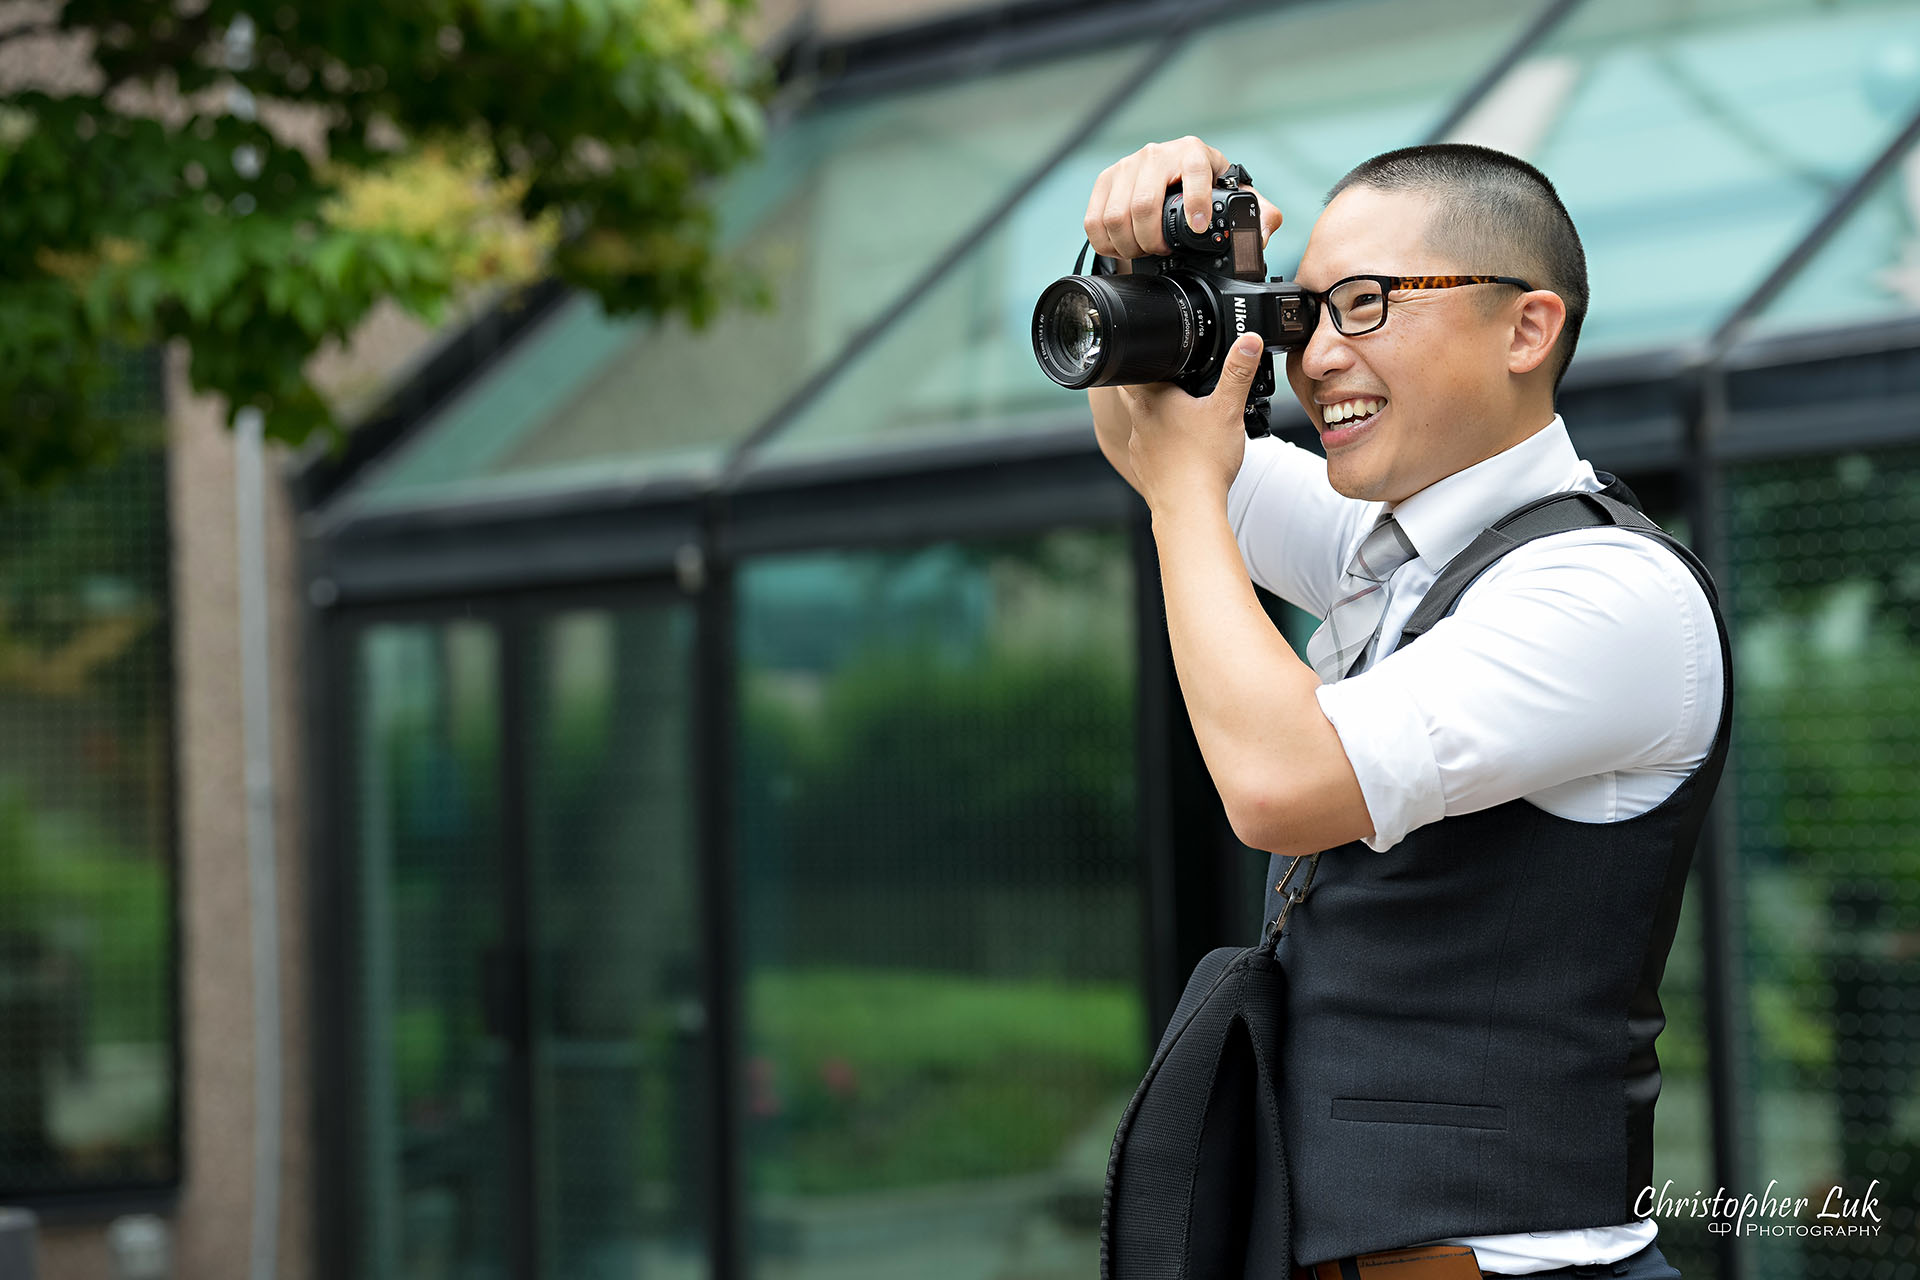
(1565,660)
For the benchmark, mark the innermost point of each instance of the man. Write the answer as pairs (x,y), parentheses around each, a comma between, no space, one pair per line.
(1507,806)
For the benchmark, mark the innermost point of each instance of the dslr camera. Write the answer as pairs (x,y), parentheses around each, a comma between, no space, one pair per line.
(1173,318)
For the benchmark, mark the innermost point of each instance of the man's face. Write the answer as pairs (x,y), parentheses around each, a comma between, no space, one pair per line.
(1439,364)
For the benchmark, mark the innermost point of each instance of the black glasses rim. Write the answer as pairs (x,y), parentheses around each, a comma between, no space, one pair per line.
(1388,283)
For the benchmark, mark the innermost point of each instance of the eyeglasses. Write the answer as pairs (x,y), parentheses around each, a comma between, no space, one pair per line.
(1358,304)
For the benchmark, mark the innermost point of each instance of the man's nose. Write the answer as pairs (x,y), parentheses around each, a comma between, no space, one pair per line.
(1326,351)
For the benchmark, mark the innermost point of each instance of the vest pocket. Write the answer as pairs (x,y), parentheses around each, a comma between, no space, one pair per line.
(1460,1115)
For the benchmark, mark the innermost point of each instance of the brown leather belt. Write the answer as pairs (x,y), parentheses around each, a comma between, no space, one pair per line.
(1422,1262)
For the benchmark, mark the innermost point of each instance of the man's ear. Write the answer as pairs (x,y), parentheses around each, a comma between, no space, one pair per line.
(1536,328)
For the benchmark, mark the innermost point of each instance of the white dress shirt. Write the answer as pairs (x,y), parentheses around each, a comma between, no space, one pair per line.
(1581,672)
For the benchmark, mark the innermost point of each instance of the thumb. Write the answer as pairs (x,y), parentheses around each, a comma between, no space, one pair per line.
(1236,375)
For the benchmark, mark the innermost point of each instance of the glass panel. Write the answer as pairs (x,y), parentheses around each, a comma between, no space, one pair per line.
(845,209)
(617,1017)
(1869,270)
(1694,144)
(1824,580)
(88,1097)
(941,905)
(961,362)
(434,1191)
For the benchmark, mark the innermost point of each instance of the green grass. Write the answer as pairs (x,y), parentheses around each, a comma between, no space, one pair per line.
(890,1078)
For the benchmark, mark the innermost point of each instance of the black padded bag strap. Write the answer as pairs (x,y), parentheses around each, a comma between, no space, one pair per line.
(1556,513)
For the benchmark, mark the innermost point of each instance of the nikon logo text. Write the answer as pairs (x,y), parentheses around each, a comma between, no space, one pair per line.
(1239,316)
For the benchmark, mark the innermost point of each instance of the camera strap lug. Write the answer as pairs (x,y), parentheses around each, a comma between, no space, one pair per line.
(1256,418)
(1290,896)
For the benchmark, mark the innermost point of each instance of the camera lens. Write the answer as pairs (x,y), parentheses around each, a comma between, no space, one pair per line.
(1076,328)
(1099,331)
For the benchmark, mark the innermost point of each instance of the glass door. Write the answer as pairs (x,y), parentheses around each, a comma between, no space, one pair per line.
(618,1025)
(435,1042)
(529,1029)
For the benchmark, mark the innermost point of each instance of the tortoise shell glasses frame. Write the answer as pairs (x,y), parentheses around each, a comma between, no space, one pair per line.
(1367,311)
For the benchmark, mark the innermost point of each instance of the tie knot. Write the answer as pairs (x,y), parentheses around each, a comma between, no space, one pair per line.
(1382,551)
(1340,646)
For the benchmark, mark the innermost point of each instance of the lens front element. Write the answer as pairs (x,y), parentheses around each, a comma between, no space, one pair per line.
(1097,331)
(1074,330)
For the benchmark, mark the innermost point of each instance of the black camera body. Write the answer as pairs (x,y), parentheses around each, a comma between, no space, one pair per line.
(1173,318)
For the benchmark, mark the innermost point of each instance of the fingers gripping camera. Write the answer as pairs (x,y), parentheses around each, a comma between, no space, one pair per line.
(1173,318)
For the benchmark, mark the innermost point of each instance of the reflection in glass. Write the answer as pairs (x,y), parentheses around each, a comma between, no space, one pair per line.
(1825,583)
(433,1192)
(1694,144)
(961,361)
(1868,271)
(619,1079)
(88,1097)
(940,905)
(846,207)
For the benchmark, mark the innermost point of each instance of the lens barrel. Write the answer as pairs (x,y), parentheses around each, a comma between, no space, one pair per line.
(1098,331)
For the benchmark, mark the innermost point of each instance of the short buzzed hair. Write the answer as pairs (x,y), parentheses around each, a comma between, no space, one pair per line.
(1493,213)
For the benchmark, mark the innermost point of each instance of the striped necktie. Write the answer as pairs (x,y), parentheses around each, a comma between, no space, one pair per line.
(1336,649)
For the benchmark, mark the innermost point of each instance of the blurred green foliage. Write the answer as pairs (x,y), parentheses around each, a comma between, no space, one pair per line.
(1826,603)
(989,762)
(885,1078)
(252,178)
(939,853)
(1824,579)
(97,906)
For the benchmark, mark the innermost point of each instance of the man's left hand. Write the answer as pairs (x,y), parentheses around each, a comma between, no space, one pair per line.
(1186,449)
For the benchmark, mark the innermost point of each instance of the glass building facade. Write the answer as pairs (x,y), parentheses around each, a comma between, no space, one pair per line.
(760,834)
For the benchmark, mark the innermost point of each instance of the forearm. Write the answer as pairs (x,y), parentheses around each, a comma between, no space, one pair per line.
(1111,427)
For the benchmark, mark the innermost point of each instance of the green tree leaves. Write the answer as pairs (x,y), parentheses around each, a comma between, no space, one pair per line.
(252,178)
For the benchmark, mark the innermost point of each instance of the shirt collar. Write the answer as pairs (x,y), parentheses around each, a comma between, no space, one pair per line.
(1445,516)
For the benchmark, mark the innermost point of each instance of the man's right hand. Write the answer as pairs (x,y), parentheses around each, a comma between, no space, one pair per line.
(1123,213)
(1123,221)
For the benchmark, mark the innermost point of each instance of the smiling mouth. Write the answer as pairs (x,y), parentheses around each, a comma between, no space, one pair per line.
(1347,414)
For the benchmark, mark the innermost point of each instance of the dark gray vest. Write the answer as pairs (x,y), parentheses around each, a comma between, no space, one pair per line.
(1468,1045)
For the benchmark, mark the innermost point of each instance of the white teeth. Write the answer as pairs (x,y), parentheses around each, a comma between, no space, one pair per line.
(1351,409)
